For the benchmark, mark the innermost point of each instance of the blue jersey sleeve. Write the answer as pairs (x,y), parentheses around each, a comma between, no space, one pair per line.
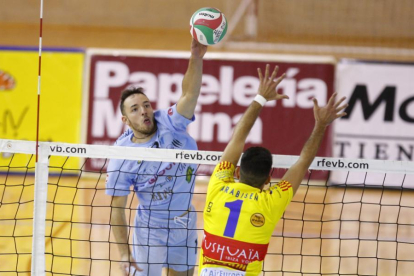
(172,119)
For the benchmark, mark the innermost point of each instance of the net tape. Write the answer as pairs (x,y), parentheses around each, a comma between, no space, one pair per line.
(200,157)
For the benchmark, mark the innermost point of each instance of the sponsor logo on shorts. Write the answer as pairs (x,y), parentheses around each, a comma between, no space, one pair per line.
(257,220)
(170,111)
(216,271)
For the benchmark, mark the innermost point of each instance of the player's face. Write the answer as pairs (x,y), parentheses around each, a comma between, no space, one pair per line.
(139,115)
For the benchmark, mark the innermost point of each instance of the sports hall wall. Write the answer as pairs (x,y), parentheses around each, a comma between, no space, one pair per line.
(155,24)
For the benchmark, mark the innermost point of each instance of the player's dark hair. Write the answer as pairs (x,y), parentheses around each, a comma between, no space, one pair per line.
(128,92)
(255,166)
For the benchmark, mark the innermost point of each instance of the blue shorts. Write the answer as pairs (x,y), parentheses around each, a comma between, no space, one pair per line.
(172,245)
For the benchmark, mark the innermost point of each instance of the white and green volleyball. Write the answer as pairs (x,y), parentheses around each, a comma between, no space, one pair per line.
(208,26)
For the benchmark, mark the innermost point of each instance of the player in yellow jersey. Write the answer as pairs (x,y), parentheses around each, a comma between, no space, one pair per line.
(239,217)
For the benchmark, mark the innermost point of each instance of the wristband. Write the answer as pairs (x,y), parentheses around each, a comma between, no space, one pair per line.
(260,99)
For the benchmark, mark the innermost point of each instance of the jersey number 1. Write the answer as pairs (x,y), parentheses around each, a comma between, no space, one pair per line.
(235,208)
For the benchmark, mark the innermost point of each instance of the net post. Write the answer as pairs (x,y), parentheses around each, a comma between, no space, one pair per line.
(38,266)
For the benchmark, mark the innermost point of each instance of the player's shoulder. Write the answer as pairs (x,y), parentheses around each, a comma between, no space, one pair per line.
(223,172)
(224,165)
(124,138)
(171,118)
(280,190)
(158,113)
(284,185)
(161,115)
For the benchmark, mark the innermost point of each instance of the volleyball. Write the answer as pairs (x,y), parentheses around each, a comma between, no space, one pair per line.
(208,26)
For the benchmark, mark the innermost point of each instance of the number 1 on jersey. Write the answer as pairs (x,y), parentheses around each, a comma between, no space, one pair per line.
(235,208)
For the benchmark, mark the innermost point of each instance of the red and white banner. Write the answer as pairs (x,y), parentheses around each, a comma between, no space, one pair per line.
(230,83)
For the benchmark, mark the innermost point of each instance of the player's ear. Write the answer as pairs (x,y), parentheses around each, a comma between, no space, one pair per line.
(125,120)
(237,172)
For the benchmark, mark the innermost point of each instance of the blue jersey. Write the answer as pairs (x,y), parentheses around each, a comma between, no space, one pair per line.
(164,189)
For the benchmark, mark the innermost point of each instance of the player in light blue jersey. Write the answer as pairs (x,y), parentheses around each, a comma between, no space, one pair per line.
(164,234)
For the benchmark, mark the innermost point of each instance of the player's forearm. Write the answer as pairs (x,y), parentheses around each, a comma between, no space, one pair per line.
(191,88)
(120,230)
(192,79)
(246,123)
(235,147)
(312,145)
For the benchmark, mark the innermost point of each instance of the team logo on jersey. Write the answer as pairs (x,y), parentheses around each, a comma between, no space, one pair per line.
(189,174)
(170,112)
(169,178)
(257,220)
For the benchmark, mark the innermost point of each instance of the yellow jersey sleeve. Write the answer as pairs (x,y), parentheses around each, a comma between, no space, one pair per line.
(223,172)
(281,194)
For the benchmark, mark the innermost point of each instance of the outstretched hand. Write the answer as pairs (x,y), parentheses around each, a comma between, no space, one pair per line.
(198,50)
(267,87)
(332,111)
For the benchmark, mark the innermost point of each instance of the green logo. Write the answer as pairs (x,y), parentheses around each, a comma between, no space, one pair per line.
(189,174)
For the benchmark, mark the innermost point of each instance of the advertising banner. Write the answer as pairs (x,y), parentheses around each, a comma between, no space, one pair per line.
(230,83)
(60,104)
(380,120)
(380,117)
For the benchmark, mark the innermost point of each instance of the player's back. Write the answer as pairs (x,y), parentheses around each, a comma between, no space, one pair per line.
(239,220)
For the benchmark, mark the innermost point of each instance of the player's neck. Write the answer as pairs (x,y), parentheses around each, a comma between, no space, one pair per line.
(141,138)
(241,180)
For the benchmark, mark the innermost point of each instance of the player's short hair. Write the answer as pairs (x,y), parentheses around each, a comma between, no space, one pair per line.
(255,166)
(128,92)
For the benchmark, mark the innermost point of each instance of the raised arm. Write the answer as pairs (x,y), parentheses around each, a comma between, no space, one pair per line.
(119,227)
(323,117)
(267,90)
(192,81)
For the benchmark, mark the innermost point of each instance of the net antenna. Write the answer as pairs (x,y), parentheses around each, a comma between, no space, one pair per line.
(39,78)
(38,265)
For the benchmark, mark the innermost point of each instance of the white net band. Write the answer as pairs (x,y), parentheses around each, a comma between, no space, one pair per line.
(202,157)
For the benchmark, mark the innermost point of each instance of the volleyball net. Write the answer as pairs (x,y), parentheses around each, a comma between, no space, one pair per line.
(349,217)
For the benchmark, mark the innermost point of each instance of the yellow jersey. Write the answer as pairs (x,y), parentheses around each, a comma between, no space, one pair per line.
(238,223)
